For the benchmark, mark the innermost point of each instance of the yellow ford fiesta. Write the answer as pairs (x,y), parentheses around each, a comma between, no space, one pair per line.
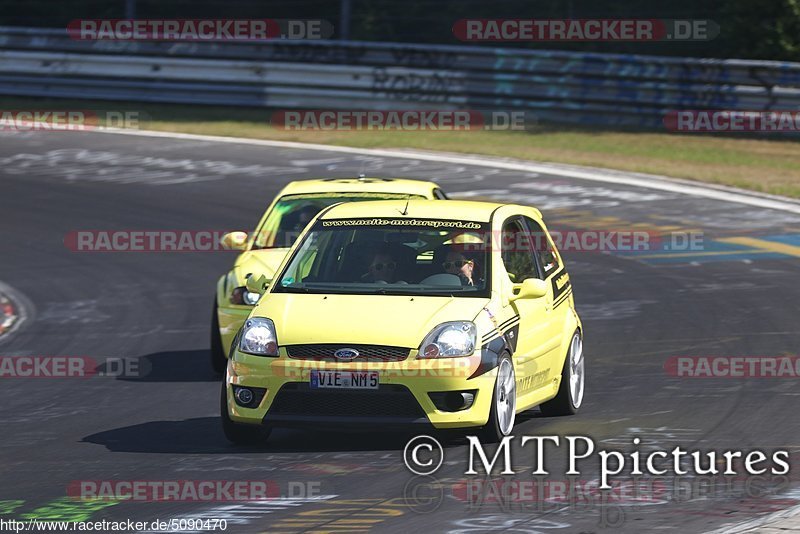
(293,207)
(393,313)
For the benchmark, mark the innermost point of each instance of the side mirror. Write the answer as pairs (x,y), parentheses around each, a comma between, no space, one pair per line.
(257,284)
(234,240)
(530,288)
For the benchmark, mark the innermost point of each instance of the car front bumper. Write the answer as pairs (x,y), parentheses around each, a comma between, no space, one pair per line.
(401,399)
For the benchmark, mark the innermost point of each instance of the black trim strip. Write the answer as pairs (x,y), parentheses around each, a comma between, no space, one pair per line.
(562,299)
(494,334)
(506,323)
(504,326)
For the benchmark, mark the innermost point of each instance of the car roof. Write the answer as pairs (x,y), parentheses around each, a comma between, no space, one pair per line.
(469,210)
(360,185)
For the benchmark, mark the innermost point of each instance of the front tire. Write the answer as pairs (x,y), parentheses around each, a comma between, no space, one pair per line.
(218,359)
(570,393)
(504,402)
(238,434)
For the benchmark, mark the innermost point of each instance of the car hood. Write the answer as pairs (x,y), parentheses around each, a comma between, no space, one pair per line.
(401,321)
(264,261)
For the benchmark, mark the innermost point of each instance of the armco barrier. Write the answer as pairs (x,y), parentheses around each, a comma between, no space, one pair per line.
(568,87)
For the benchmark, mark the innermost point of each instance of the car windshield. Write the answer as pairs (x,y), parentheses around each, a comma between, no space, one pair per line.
(292,213)
(390,256)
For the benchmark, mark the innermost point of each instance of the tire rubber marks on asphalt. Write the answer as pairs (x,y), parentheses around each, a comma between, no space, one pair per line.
(74,312)
(77,165)
(554,195)
(446,174)
(614,310)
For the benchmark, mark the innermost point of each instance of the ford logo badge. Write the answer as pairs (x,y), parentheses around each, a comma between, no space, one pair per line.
(346,354)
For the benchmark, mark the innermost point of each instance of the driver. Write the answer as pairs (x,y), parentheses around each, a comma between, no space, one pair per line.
(304,216)
(456,263)
(381,269)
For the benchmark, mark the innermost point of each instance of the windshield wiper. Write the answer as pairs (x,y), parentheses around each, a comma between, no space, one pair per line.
(296,289)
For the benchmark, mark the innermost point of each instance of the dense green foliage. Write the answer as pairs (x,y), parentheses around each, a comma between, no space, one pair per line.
(755,29)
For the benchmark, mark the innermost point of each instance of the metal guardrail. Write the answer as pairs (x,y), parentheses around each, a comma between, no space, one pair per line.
(570,87)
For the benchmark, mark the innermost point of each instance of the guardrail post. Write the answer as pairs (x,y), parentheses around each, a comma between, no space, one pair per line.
(344,20)
(130,9)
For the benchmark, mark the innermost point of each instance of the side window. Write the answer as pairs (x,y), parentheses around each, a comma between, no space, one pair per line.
(540,242)
(516,253)
(438,194)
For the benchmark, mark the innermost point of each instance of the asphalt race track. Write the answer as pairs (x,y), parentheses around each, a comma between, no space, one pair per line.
(736,297)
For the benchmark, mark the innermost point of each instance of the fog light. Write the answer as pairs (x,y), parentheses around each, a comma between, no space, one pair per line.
(453,401)
(458,401)
(249,397)
(244,396)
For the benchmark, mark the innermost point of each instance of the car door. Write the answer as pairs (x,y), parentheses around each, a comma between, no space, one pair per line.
(533,343)
(552,270)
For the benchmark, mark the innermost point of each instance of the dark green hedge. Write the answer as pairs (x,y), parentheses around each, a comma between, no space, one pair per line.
(756,29)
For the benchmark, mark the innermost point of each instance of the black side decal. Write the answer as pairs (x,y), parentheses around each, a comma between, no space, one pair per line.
(561,283)
(490,354)
(511,336)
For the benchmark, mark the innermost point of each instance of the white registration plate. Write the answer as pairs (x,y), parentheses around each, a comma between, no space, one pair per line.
(344,379)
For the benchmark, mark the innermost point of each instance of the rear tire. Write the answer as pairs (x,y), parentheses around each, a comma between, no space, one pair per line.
(570,393)
(238,434)
(218,359)
(503,409)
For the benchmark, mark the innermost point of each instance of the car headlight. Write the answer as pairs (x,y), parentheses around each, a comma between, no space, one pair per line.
(258,337)
(450,340)
(243,296)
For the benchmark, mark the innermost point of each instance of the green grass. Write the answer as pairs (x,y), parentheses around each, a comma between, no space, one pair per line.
(769,164)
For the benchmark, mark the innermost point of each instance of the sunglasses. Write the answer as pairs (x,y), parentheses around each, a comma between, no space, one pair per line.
(457,264)
(379,266)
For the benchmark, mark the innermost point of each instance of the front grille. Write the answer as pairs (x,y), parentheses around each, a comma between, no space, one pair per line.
(389,400)
(366,353)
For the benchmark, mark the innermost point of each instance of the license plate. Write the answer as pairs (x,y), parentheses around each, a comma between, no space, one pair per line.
(344,379)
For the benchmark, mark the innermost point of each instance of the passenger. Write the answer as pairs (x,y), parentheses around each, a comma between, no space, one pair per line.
(381,269)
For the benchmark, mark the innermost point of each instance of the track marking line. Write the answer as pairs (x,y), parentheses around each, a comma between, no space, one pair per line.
(694,254)
(763,245)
